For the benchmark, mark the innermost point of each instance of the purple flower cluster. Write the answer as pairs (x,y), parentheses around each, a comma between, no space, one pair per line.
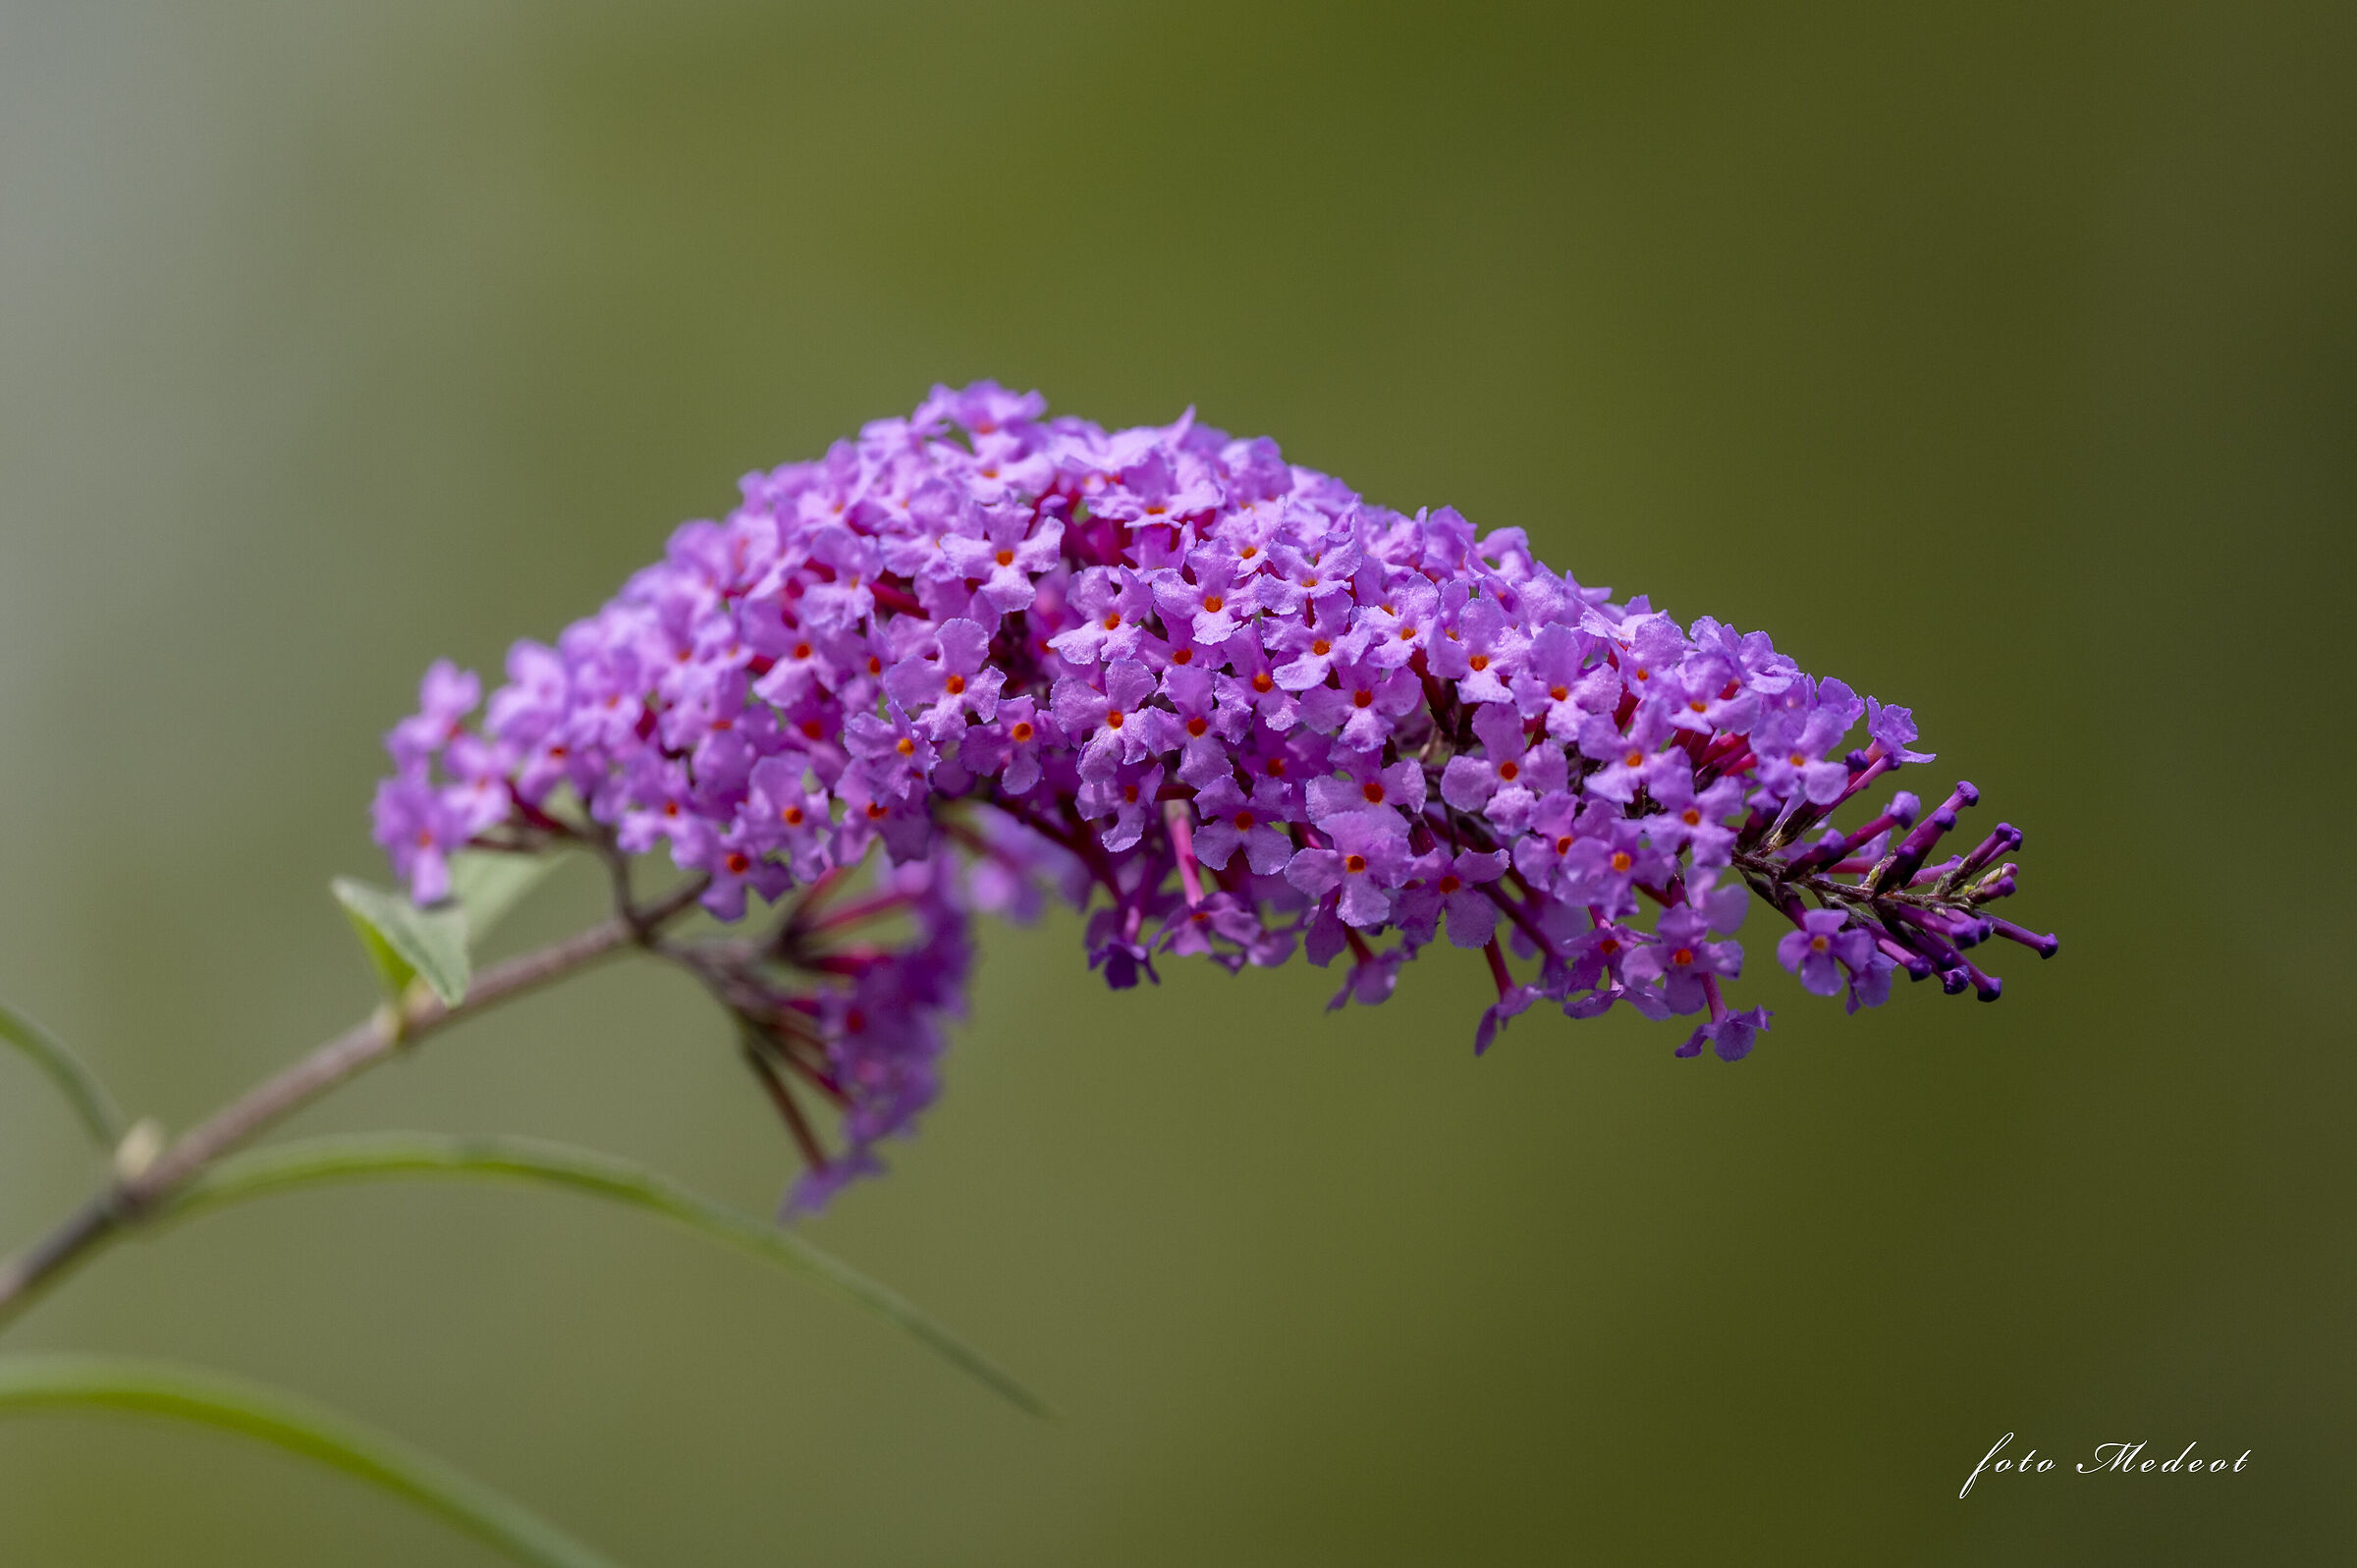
(1249,709)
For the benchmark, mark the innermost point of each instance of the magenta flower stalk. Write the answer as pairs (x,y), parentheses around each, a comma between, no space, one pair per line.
(1219,702)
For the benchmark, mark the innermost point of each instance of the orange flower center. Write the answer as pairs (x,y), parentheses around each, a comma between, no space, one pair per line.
(1355,864)
(954,686)
(1620,860)
(1005,558)
(1021,732)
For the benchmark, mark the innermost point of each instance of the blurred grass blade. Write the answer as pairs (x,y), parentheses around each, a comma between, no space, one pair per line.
(376,1157)
(125,1385)
(95,1108)
(488,886)
(404,940)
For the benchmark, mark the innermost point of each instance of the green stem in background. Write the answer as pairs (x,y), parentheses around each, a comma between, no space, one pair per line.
(197,1173)
(120,1384)
(424,961)
(132,1195)
(81,1088)
(379,1157)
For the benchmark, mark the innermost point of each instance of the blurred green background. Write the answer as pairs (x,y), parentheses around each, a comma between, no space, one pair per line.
(2001,359)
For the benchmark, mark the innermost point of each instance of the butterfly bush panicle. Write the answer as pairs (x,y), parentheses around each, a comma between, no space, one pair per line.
(1224,700)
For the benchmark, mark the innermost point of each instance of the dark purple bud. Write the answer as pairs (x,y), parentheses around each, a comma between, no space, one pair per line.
(1924,933)
(1914,963)
(1900,813)
(2044,946)
(1899,870)
(2004,840)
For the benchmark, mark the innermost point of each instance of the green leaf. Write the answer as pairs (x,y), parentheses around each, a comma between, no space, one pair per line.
(405,941)
(91,1103)
(125,1385)
(372,1156)
(488,886)
(393,971)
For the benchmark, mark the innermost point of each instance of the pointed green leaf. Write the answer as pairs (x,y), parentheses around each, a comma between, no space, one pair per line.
(488,886)
(393,971)
(122,1384)
(91,1103)
(372,1156)
(404,940)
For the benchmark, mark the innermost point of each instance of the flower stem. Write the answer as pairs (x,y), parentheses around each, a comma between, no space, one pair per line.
(131,1196)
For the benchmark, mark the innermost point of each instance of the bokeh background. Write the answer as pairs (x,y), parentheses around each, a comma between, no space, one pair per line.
(2001,359)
